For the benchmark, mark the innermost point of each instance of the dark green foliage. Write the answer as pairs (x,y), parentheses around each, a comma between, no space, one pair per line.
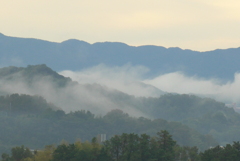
(186,153)
(144,147)
(103,155)
(218,153)
(36,124)
(20,104)
(64,152)
(6,157)
(165,146)
(127,147)
(18,154)
(202,114)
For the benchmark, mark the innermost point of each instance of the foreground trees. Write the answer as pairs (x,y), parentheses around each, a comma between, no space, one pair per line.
(18,154)
(219,153)
(126,147)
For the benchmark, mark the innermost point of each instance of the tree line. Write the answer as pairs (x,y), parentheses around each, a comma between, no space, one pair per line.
(126,147)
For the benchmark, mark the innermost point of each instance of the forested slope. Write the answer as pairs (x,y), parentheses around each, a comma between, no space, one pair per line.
(35,123)
(73,111)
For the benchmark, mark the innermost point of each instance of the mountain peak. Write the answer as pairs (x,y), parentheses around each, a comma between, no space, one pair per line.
(33,72)
(74,42)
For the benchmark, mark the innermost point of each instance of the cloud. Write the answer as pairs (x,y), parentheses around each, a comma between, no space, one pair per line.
(132,80)
(127,79)
(177,82)
(93,97)
(97,86)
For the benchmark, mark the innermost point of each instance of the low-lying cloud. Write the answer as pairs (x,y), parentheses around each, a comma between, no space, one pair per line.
(177,82)
(131,80)
(71,97)
(127,79)
(99,88)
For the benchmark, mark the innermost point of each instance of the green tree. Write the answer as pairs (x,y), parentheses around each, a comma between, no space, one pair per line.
(114,145)
(131,151)
(20,153)
(104,155)
(193,153)
(5,157)
(144,147)
(166,146)
(45,154)
(212,154)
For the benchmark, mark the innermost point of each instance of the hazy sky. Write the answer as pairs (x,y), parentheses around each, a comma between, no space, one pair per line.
(193,24)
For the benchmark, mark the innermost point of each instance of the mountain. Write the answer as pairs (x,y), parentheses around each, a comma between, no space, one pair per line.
(204,115)
(32,73)
(63,92)
(76,55)
(35,121)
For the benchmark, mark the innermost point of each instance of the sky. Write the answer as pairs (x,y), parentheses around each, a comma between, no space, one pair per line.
(200,25)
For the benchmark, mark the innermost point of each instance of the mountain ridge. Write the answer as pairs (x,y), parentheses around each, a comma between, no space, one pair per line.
(76,55)
(117,42)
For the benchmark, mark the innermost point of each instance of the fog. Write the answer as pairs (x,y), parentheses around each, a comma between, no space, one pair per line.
(132,80)
(179,83)
(99,88)
(72,97)
(127,79)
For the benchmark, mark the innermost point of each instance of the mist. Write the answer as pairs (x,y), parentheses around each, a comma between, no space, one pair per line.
(127,78)
(102,88)
(132,80)
(96,98)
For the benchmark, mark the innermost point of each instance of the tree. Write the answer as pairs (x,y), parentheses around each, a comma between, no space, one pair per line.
(45,154)
(193,153)
(166,146)
(131,151)
(5,157)
(114,146)
(20,153)
(61,153)
(212,154)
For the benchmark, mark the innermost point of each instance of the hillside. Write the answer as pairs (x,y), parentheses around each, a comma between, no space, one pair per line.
(63,92)
(31,74)
(204,115)
(33,122)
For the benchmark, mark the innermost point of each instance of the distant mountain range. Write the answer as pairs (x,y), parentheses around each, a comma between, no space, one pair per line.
(76,55)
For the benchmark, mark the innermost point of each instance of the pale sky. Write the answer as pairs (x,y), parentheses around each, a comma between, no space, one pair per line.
(189,24)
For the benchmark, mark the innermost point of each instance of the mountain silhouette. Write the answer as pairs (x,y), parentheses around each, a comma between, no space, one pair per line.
(76,55)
